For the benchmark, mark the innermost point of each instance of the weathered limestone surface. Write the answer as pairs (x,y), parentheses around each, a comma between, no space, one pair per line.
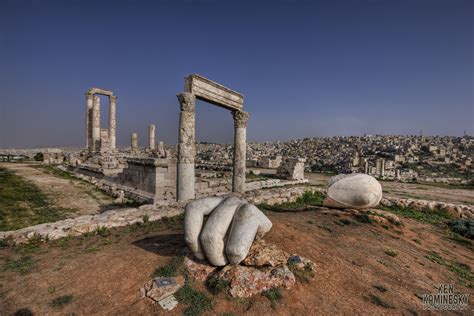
(152,290)
(186,149)
(89,107)
(291,169)
(151,137)
(456,210)
(100,91)
(88,223)
(240,148)
(134,143)
(355,190)
(249,281)
(228,216)
(213,92)
(263,254)
(93,130)
(96,123)
(161,149)
(53,156)
(210,91)
(153,175)
(265,267)
(112,122)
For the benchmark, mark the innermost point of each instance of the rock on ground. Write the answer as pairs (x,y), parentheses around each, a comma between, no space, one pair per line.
(264,268)
(355,190)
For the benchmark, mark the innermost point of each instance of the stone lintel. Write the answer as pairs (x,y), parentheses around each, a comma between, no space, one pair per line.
(100,91)
(213,92)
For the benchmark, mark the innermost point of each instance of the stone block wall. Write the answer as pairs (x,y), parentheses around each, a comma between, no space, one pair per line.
(209,187)
(152,175)
(291,169)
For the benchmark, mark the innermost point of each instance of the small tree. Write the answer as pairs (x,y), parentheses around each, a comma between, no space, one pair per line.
(38,156)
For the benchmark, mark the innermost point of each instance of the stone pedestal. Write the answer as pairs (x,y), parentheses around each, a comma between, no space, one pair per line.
(151,137)
(240,149)
(186,150)
(96,122)
(112,122)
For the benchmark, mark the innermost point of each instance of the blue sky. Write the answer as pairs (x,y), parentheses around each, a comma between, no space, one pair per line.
(306,68)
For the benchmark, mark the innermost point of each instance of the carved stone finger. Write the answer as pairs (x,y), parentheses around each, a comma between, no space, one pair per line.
(248,223)
(214,232)
(193,221)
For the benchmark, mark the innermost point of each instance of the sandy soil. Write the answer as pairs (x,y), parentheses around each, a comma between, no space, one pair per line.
(84,198)
(104,274)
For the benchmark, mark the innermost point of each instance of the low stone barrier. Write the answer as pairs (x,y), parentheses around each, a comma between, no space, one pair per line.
(455,210)
(272,183)
(279,195)
(89,223)
(122,217)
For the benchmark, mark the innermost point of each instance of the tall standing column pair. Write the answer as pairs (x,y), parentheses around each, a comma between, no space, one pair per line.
(187,152)
(93,121)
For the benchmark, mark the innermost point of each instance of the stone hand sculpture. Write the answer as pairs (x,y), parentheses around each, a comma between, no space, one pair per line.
(229,231)
(356,190)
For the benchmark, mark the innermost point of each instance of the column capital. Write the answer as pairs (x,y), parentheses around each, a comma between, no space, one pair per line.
(89,96)
(240,118)
(112,98)
(187,101)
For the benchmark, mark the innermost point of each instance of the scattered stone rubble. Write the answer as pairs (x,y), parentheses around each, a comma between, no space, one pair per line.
(376,215)
(265,267)
(160,288)
(458,211)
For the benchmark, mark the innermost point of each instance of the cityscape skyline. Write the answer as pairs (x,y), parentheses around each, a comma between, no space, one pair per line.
(347,68)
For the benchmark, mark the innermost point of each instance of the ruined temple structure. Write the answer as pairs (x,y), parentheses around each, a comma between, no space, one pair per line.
(291,169)
(101,142)
(161,175)
(98,139)
(198,87)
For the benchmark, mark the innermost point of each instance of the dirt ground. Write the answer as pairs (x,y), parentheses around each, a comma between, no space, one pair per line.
(449,194)
(361,269)
(78,195)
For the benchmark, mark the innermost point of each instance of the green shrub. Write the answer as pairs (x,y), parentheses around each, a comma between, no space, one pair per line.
(391,253)
(171,269)
(22,265)
(38,156)
(274,295)
(197,301)
(216,285)
(62,300)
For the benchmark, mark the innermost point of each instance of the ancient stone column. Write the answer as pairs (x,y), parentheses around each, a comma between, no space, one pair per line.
(112,122)
(96,122)
(240,149)
(186,150)
(151,137)
(89,105)
(134,142)
(161,147)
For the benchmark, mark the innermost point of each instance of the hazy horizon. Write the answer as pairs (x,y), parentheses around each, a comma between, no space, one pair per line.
(306,69)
